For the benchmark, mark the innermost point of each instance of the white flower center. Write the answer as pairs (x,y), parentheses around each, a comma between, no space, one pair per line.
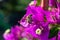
(38,31)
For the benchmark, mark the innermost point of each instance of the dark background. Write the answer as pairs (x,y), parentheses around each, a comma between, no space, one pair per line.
(11,11)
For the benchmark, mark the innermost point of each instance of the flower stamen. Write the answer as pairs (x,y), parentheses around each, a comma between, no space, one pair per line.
(38,31)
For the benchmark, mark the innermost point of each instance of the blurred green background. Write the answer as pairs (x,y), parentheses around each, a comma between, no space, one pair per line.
(11,11)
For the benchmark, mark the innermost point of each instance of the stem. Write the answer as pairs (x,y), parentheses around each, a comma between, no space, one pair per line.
(57,37)
(57,33)
(45,4)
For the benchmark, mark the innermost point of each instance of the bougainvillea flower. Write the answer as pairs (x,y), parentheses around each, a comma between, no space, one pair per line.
(14,33)
(51,17)
(38,31)
(33,14)
(8,36)
(37,13)
(24,21)
(34,25)
(17,33)
(58,17)
(52,3)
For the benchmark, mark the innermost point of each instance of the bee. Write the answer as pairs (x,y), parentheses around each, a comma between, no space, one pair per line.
(29,18)
(45,19)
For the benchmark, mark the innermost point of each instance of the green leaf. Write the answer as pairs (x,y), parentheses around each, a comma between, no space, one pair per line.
(38,2)
(3,24)
(53,32)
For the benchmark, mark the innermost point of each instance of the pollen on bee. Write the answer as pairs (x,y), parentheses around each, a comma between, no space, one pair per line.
(38,31)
